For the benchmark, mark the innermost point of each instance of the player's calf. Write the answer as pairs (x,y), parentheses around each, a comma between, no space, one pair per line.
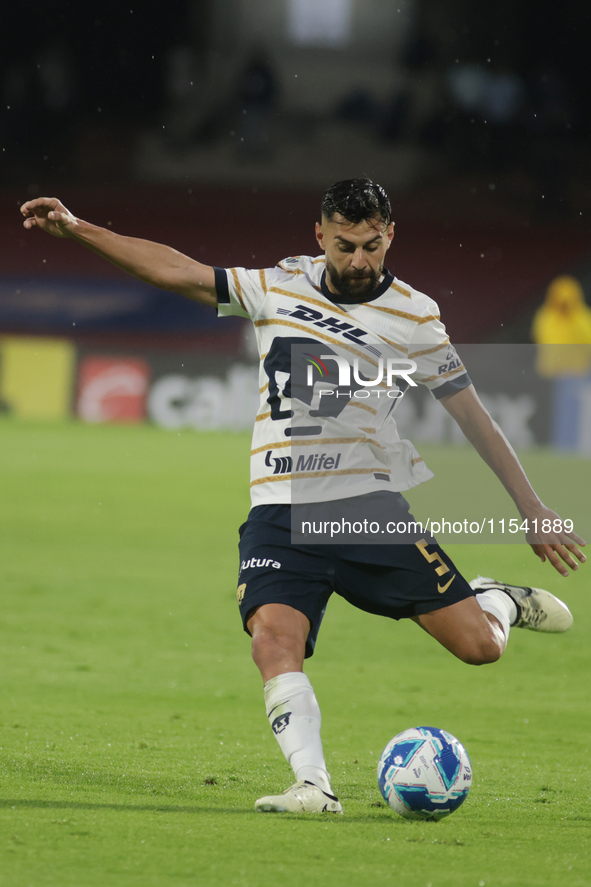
(466,631)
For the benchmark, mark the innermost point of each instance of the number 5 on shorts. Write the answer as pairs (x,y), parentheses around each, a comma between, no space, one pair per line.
(434,556)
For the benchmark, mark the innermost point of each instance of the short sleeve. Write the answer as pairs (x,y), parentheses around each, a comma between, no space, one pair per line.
(439,366)
(240,291)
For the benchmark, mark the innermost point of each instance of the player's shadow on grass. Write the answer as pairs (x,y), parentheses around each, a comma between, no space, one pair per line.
(34,803)
(38,804)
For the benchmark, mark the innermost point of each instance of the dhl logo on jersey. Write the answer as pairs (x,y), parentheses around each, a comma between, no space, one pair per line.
(330,324)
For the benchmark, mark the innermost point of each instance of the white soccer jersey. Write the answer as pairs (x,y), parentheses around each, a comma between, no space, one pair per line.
(328,443)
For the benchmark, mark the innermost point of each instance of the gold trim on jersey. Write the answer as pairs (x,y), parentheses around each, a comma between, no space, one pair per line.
(263,280)
(335,440)
(394,311)
(262,416)
(393,344)
(270,479)
(289,270)
(461,369)
(264,388)
(362,406)
(430,350)
(271,446)
(302,298)
(308,474)
(299,270)
(238,287)
(324,441)
(401,290)
(418,459)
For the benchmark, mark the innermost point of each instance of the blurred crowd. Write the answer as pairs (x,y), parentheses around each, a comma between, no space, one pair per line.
(89,82)
(76,82)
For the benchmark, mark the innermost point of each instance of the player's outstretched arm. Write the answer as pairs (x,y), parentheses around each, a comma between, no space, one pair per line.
(155,263)
(492,445)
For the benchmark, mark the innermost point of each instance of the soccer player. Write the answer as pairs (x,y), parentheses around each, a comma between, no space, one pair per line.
(343,300)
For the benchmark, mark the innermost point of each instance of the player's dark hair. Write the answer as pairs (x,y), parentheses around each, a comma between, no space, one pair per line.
(356,200)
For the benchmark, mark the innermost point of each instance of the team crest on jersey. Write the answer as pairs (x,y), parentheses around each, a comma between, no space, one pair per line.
(240,592)
(292,260)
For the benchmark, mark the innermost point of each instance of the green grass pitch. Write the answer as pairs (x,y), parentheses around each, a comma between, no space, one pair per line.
(132,731)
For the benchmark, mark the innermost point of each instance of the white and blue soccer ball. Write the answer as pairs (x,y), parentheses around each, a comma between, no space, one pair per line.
(424,773)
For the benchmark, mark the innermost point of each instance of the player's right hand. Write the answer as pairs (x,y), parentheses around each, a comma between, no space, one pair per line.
(50,215)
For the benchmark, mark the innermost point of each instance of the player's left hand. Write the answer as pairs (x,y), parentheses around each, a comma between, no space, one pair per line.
(559,544)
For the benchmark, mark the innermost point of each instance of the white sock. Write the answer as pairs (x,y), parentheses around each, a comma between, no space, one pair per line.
(500,605)
(294,716)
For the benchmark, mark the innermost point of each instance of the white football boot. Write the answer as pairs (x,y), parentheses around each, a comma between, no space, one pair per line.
(303,797)
(537,609)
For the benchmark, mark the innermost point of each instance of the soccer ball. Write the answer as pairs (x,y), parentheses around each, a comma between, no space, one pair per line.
(424,773)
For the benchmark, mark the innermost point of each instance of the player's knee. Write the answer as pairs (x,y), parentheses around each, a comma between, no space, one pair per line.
(480,651)
(269,645)
(278,638)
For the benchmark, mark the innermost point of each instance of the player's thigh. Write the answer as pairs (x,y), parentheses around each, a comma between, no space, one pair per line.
(411,580)
(282,588)
(284,607)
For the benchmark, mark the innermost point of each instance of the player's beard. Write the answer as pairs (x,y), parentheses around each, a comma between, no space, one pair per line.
(354,287)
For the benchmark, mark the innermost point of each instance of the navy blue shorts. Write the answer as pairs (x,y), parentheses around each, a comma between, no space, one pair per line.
(398,581)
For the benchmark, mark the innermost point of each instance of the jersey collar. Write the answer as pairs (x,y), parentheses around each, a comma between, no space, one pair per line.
(343,300)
